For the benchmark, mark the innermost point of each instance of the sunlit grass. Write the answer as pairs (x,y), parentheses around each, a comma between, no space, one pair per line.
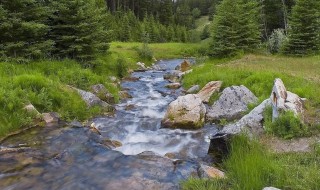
(251,166)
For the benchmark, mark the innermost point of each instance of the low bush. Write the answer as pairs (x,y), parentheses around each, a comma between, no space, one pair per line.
(145,53)
(287,125)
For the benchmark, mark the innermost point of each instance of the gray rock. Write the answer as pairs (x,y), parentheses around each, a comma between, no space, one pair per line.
(181,74)
(113,79)
(92,100)
(142,66)
(206,92)
(51,118)
(251,122)
(76,124)
(101,92)
(172,76)
(270,188)
(193,89)
(283,100)
(31,109)
(232,104)
(185,112)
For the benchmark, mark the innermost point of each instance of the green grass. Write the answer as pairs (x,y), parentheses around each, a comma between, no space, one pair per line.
(287,125)
(251,166)
(257,72)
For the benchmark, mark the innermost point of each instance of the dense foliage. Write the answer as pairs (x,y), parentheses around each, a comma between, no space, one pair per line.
(235,27)
(304,30)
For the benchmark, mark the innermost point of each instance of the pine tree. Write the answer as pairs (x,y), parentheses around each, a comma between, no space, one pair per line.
(235,27)
(224,31)
(304,35)
(165,12)
(249,25)
(23,30)
(78,29)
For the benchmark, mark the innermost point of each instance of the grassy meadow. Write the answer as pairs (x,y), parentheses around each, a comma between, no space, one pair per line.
(257,72)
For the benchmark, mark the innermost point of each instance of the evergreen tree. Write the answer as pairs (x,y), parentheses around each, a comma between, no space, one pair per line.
(248,25)
(166,12)
(235,27)
(23,29)
(304,35)
(224,31)
(78,29)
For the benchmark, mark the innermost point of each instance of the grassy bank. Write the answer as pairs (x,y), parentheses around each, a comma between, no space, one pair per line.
(44,83)
(252,166)
(257,72)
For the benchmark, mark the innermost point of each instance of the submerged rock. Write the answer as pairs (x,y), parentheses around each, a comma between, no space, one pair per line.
(185,112)
(175,85)
(124,94)
(206,92)
(283,100)
(232,104)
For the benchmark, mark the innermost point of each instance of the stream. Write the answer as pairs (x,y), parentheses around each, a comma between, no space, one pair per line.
(73,157)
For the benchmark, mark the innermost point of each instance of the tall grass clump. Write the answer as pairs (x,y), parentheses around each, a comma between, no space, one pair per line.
(121,67)
(249,166)
(287,125)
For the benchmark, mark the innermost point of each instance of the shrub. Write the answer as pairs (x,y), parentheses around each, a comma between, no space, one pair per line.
(145,53)
(287,125)
(277,41)
(121,67)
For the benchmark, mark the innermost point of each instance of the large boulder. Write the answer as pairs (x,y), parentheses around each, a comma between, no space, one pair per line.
(101,92)
(206,92)
(252,122)
(185,112)
(232,104)
(283,100)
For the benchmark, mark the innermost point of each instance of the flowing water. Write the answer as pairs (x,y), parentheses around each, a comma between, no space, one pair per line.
(76,158)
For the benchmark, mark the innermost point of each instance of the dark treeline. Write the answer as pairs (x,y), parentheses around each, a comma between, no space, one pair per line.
(81,29)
